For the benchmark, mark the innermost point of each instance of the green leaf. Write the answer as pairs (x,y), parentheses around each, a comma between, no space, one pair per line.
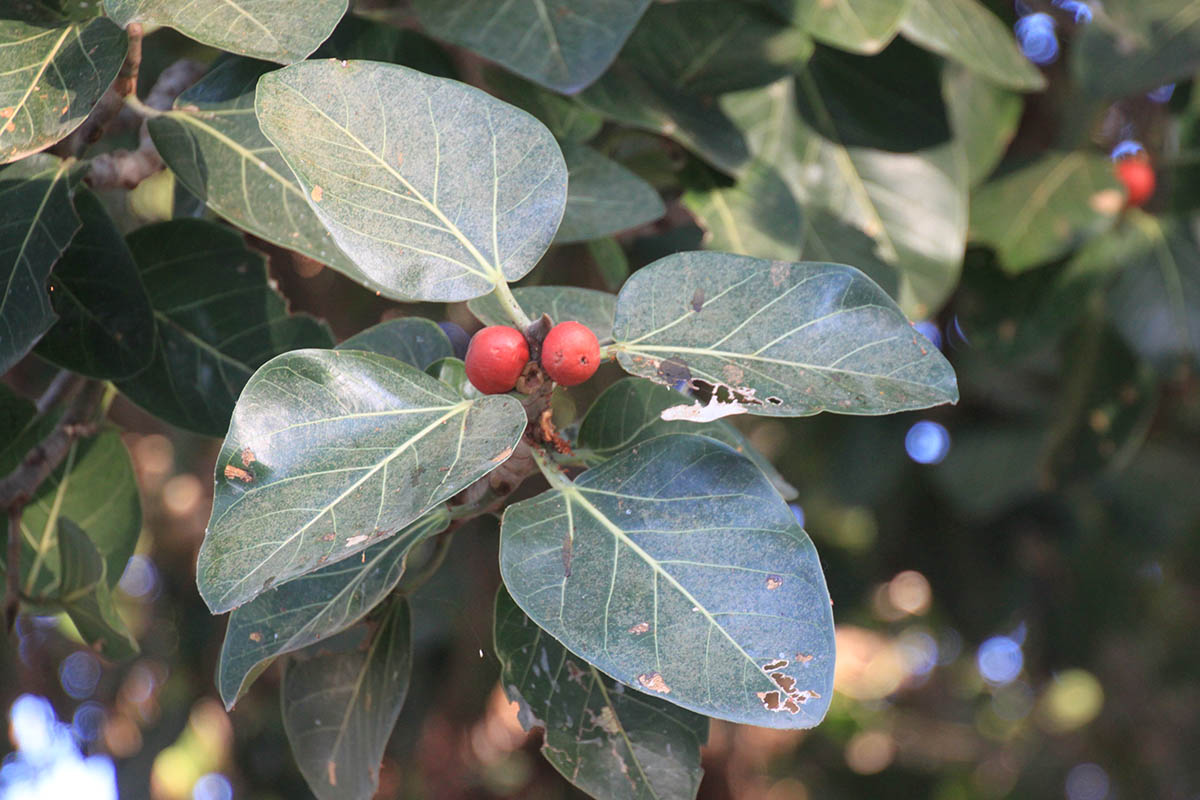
(339,709)
(434,189)
(566,117)
(80,565)
(100,626)
(757,216)
(781,339)
(453,372)
(314,606)
(414,340)
(50,77)
(609,742)
(356,37)
(1046,209)
(105,328)
(967,32)
(328,451)
(603,197)
(627,413)
(860,26)
(1137,45)
(561,303)
(20,428)
(984,118)
(95,487)
(677,569)
(218,320)
(564,47)
(37,226)
(282,32)
(611,262)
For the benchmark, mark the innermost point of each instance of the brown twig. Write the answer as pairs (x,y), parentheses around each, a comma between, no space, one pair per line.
(110,103)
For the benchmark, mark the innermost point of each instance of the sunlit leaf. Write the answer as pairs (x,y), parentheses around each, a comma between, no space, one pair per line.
(217,320)
(966,32)
(339,708)
(434,189)
(757,216)
(861,26)
(330,450)
(314,606)
(564,47)
(784,339)
(561,303)
(414,340)
(50,77)
(677,569)
(609,742)
(106,326)
(282,32)
(603,198)
(628,413)
(37,225)
(1046,209)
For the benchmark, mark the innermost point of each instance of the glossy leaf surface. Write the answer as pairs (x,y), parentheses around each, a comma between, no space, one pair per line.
(677,569)
(434,189)
(330,450)
(603,197)
(786,339)
(609,742)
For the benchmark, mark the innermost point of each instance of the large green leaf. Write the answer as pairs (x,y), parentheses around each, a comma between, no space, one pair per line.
(609,742)
(564,47)
(339,708)
(314,606)
(861,26)
(1137,45)
(677,569)
(966,32)
(1046,209)
(37,225)
(757,216)
(413,340)
(561,303)
(282,32)
(217,318)
(328,451)
(629,412)
(984,118)
(105,325)
(781,339)
(96,489)
(433,188)
(50,77)
(603,197)
(86,598)
(20,428)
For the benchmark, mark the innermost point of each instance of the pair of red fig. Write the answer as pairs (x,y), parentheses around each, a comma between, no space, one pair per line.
(498,354)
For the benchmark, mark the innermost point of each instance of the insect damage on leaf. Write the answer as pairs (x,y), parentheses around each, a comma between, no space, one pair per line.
(774,582)
(237,473)
(654,682)
(701,412)
(788,698)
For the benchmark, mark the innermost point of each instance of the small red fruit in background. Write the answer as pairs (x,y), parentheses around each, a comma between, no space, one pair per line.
(495,359)
(570,353)
(1138,177)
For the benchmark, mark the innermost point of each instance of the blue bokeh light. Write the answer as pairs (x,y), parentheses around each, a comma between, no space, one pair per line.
(1087,782)
(930,331)
(140,578)
(1162,94)
(1035,35)
(48,763)
(927,442)
(1127,148)
(798,513)
(79,673)
(1080,12)
(88,721)
(213,786)
(919,650)
(999,660)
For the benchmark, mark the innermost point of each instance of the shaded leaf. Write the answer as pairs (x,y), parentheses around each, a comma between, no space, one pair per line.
(282,32)
(627,413)
(314,606)
(967,32)
(100,626)
(1046,209)
(105,328)
(453,373)
(564,48)
(609,742)
(1136,46)
(20,428)
(603,197)
(217,319)
(783,339)
(984,118)
(861,26)
(611,262)
(566,117)
(339,709)
(50,77)
(37,226)
(328,451)
(80,565)
(414,340)
(434,189)
(757,216)
(593,308)
(677,569)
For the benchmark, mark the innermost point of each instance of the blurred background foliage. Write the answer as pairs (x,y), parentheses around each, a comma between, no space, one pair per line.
(1015,579)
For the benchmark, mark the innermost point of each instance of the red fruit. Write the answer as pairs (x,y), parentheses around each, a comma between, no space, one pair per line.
(1138,177)
(570,353)
(495,359)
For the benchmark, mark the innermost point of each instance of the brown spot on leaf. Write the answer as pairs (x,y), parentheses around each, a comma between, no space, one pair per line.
(640,628)
(237,473)
(774,582)
(256,636)
(780,271)
(329,537)
(733,373)
(783,681)
(247,457)
(654,682)
(503,456)
(317,193)
(803,658)
(774,665)
(672,370)
(7,112)
(698,300)
(331,766)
